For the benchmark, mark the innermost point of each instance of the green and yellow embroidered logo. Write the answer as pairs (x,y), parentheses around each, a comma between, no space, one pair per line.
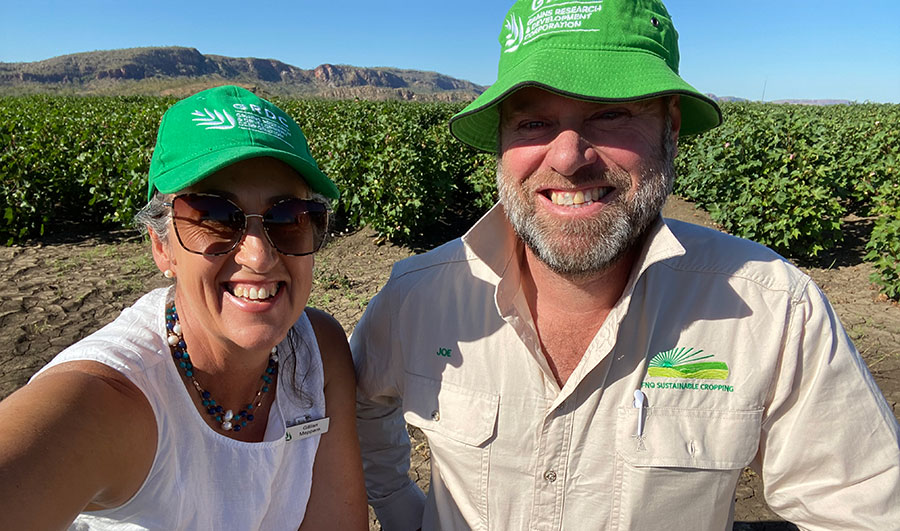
(684,362)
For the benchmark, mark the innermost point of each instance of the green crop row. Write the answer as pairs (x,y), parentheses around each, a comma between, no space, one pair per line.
(786,176)
(398,169)
(73,159)
(86,160)
(782,175)
(884,244)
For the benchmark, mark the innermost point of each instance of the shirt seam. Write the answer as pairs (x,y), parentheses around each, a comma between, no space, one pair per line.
(791,290)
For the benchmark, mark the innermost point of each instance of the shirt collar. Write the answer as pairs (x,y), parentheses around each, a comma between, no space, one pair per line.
(493,241)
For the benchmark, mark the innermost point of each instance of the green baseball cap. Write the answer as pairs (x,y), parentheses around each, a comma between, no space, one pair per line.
(217,127)
(597,50)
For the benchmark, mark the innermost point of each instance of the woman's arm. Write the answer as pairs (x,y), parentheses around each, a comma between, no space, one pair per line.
(338,497)
(79,436)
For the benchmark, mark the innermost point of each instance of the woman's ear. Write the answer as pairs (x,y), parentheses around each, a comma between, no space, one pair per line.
(161,254)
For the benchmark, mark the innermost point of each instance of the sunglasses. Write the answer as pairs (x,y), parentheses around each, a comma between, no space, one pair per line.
(212,225)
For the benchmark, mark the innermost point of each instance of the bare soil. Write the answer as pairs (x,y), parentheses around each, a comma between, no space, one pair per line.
(59,289)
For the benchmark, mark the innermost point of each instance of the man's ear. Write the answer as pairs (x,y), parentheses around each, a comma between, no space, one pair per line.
(161,254)
(674,111)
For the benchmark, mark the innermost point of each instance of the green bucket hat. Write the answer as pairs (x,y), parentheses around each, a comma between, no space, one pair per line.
(598,50)
(217,127)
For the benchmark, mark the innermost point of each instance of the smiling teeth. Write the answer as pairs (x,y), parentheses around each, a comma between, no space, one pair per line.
(254,293)
(581,197)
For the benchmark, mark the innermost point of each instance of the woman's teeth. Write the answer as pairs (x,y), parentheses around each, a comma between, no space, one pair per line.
(581,197)
(254,293)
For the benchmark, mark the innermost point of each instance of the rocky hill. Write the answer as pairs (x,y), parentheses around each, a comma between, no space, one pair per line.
(731,99)
(181,71)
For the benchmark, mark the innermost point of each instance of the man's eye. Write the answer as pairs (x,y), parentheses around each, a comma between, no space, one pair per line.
(609,115)
(531,124)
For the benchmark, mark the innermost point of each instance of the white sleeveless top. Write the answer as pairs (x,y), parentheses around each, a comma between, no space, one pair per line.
(201,479)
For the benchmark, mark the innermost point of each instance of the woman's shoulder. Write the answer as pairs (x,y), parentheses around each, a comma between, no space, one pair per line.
(332,342)
(324,324)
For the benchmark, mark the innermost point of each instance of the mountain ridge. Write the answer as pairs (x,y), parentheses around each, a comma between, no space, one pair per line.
(179,71)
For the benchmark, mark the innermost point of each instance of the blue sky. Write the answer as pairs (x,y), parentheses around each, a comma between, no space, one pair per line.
(755,49)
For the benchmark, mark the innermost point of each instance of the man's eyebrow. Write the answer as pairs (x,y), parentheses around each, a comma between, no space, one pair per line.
(513,107)
(511,111)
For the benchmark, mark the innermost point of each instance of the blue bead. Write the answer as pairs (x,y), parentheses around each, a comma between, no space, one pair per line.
(185,355)
(183,365)
(182,344)
(236,427)
(210,410)
(170,325)
(219,409)
(188,373)
(243,423)
(249,407)
(249,417)
(265,389)
(212,402)
(205,403)
(218,419)
(205,394)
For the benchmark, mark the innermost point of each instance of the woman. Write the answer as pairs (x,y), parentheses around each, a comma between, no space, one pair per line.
(220,402)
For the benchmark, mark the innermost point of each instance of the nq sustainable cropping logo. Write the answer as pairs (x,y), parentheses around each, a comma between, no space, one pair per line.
(685,362)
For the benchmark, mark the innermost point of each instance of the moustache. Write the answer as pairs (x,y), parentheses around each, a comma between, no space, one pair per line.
(544,179)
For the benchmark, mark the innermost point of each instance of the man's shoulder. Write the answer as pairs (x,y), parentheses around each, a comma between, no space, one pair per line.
(714,252)
(449,255)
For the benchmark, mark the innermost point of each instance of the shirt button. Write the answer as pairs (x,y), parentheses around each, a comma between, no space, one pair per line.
(550,476)
(435,415)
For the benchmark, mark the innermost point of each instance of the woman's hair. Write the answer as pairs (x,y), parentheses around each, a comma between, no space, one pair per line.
(154,216)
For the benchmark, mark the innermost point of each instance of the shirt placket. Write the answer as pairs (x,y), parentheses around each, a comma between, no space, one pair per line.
(551,469)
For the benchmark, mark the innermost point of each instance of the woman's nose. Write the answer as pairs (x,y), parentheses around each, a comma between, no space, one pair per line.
(255,250)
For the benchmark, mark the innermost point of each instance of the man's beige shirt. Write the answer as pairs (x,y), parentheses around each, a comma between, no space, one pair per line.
(739,358)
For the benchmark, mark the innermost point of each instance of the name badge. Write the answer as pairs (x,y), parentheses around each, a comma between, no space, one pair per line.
(306,429)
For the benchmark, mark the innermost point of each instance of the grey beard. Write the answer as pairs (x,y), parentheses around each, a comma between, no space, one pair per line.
(585,247)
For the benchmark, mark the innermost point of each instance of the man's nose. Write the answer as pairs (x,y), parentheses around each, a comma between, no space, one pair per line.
(570,151)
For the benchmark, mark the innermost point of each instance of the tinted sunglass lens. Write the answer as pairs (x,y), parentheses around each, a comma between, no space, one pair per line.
(207,224)
(296,226)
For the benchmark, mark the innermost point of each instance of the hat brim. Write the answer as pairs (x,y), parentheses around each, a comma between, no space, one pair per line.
(597,75)
(199,168)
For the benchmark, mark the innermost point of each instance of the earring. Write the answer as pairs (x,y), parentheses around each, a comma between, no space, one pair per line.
(168,273)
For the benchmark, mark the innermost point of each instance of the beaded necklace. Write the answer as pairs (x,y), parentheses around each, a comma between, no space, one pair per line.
(226,418)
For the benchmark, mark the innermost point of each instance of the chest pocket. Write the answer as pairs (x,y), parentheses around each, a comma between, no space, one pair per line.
(459,424)
(457,413)
(684,467)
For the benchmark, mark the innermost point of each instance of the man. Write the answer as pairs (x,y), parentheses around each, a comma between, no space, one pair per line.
(576,361)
